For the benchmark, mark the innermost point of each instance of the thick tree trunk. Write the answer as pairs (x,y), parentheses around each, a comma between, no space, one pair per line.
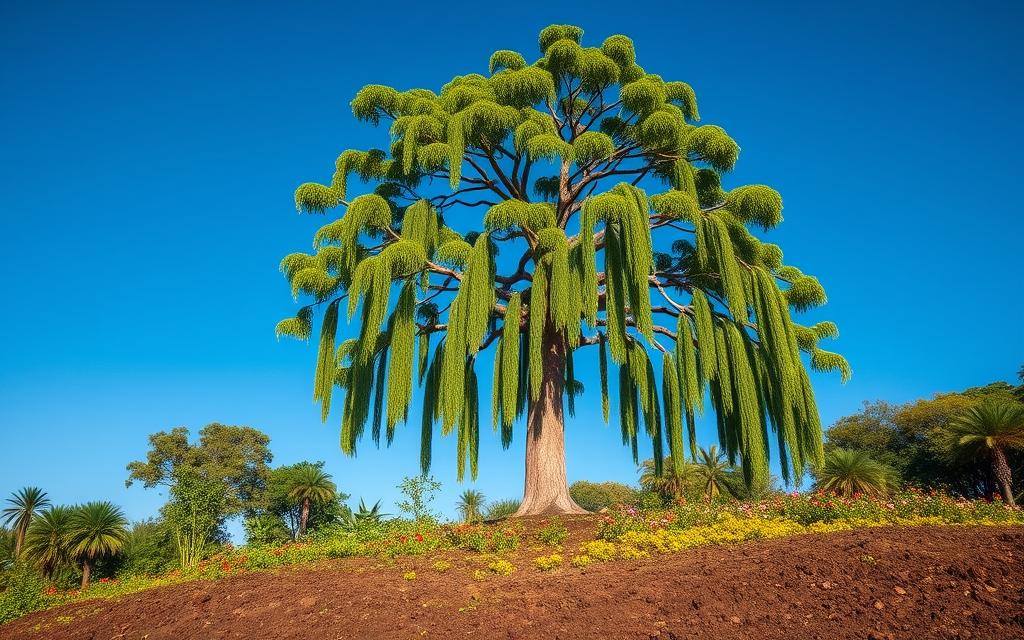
(1004,479)
(303,519)
(86,570)
(547,490)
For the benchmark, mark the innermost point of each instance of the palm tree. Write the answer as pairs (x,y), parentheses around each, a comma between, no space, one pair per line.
(471,504)
(713,470)
(46,543)
(95,529)
(987,431)
(669,484)
(24,504)
(310,484)
(847,472)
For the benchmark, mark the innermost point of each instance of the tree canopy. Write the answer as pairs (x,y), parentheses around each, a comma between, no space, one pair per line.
(487,211)
(233,455)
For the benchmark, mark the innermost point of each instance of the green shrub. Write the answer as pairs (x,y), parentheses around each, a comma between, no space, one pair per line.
(547,563)
(594,496)
(553,532)
(25,593)
(501,509)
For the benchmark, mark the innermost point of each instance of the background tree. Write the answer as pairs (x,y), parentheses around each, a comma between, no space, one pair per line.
(24,504)
(470,505)
(95,529)
(987,432)
(46,543)
(195,513)
(594,496)
(910,439)
(847,472)
(308,486)
(236,457)
(148,550)
(280,505)
(713,471)
(554,159)
(669,483)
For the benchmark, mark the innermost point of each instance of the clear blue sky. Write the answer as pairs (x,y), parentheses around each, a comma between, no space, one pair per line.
(149,156)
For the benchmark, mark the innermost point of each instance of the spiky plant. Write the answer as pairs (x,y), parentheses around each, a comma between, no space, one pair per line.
(501,509)
(672,482)
(470,505)
(579,154)
(712,468)
(47,541)
(95,529)
(310,484)
(24,505)
(849,472)
(364,516)
(985,432)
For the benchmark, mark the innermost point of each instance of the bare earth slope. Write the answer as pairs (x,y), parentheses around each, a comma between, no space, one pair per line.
(914,583)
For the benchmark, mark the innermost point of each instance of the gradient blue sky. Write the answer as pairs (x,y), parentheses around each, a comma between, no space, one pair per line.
(149,156)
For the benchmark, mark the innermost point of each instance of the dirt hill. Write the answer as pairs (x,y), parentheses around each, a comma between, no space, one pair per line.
(914,583)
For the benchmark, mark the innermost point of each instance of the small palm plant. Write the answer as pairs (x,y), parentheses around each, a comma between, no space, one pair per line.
(95,529)
(986,432)
(310,484)
(672,483)
(470,505)
(847,472)
(713,470)
(46,542)
(25,504)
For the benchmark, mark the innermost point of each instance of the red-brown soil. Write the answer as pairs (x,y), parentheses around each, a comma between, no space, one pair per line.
(913,583)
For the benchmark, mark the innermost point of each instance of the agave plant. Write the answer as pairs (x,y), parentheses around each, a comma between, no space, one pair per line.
(364,516)
(847,472)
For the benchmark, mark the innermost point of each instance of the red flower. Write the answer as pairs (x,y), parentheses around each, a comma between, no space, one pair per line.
(104,579)
(404,539)
(419,537)
(51,591)
(225,566)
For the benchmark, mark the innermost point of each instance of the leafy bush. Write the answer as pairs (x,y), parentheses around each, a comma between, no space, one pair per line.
(581,561)
(25,593)
(480,538)
(441,566)
(419,493)
(547,563)
(594,496)
(502,567)
(553,532)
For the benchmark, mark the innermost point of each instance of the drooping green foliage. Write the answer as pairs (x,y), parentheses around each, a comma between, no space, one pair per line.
(579,153)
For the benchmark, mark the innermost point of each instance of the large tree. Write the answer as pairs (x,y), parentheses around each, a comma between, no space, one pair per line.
(553,162)
(235,456)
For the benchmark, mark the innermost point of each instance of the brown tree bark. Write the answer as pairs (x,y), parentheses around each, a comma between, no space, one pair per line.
(303,519)
(1001,470)
(86,570)
(546,491)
